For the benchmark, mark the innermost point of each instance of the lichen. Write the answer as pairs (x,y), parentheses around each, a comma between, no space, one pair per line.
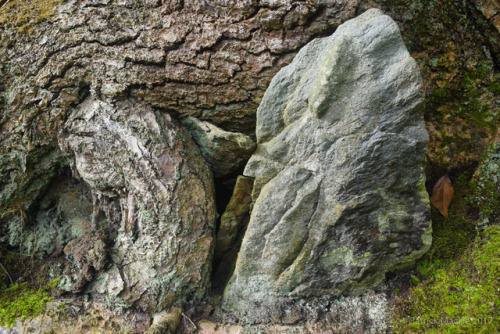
(344,256)
(25,15)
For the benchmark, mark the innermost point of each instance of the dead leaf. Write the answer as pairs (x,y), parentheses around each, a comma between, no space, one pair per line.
(442,194)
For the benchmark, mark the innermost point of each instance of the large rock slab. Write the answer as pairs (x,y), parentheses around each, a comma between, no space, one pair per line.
(339,190)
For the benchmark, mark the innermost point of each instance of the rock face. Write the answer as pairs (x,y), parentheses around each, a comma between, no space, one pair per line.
(157,193)
(99,85)
(225,152)
(339,195)
(233,218)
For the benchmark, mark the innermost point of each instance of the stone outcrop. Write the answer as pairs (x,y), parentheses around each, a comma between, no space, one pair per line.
(225,152)
(100,86)
(362,314)
(339,187)
(211,60)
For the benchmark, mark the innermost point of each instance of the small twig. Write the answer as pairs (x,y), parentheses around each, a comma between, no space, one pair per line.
(34,249)
(3,3)
(191,321)
(7,273)
(23,219)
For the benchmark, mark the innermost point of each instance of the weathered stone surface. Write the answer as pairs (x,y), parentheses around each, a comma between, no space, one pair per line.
(339,190)
(64,213)
(225,152)
(157,192)
(232,220)
(166,322)
(368,313)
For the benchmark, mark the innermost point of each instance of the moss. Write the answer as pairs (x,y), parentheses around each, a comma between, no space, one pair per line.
(494,87)
(469,98)
(485,187)
(462,112)
(457,296)
(24,15)
(19,302)
(458,292)
(476,201)
(451,236)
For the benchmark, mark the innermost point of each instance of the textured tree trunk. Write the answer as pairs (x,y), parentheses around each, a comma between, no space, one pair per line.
(208,59)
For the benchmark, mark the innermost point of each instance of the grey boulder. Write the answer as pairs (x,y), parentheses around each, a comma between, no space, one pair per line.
(225,152)
(339,196)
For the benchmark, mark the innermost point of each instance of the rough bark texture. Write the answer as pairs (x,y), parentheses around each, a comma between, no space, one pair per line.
(145,166)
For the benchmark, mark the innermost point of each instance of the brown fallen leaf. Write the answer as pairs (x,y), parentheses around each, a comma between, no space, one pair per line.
(442,194)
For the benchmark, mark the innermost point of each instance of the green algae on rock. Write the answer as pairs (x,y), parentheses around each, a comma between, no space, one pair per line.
(341,144)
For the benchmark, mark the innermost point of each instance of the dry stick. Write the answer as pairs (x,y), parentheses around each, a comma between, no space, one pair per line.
(3,3)
(191,321)
(7,273)
(21,239)
(33,250)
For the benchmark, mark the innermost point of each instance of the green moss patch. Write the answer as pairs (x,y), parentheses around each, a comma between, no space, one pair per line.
(456,288)
(24,15)
(460,296)
(20,301)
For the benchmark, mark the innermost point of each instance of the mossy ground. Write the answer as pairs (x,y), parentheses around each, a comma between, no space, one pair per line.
(461,296)
(24,300)
(457,287)
(25,15)
(20,301)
